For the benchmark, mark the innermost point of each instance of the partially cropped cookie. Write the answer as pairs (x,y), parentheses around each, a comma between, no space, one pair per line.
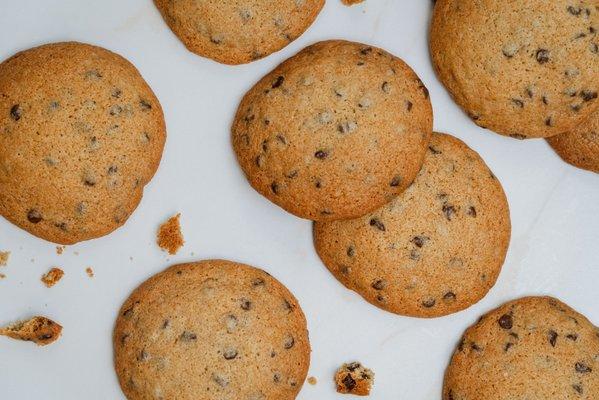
(335,131)
(81,134)
(581,146)
(211,330)
(238,31)
(530,348)
(523,68)
(435,249)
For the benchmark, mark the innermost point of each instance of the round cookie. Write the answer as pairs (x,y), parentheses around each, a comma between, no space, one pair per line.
(81,134)
(522,68)
(334,132)
(238,31)
(435,249)
(581,146)
(211,330)
(530,348)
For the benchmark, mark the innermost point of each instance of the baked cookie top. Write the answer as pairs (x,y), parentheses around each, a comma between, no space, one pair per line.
(530,348)
(81,133)
(522,68)
(581,146)
(435,249)
(211,330)
(334,132)
(238,31)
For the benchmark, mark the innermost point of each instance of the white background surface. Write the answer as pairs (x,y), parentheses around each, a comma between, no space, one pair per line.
(554,207)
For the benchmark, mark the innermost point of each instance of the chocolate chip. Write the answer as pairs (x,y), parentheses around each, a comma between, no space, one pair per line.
(166,323)
(434,150)
(518,102)
(409,105)
(220,381)
(16,112)
(471,211)
(507,346)
(505,321)
(549,121)
(396,181)
(143,355)
(187,336)
(116,110)
(377,224)
(61,225)
(258,282)
(274,187)
(448,210)
(366,50)
(542,56)
(428,303)
(124,338)
(93,74)
(545,100)
(572,336)
(385,87)
(116,93)
(321,154)
(231,323)
(276,378)
(278,82)
(289,342)
(246,304)
(351,251)
(582,368)
(34,216)
(574,10)
(347,127)
(230,354)
(449,296)
(145,105)
(419,240)
(378,284)
(423,88)
(588,95)
(349,382)
(475,347)
(577,387)
(552,338)
(291,175)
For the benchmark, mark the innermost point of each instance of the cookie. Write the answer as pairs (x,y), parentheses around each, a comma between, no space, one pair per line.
(435,249)
(39,330)
(334,132)
(354,378)
(238,31)
(530,348)
(522,68)
(52,277)
(211,330)
(581,146)
(81,134)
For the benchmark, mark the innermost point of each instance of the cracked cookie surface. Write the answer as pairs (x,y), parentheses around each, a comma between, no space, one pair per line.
(529,348)
(435,249)
(211,330)
(524,68)
(580,147)
(238,31)
(335,131)
(81,134)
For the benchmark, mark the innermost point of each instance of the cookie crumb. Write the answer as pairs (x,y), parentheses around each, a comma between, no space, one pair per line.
(351,2)
(169,235)
(52,277)
(40,330)
(90,272)
(2,276)
(4,255)
(312,380)
(353,378)
(60,249)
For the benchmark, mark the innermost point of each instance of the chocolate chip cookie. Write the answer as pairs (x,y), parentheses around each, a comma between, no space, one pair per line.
(435,249)
(334,132)
(522,68)
(581,146)
(238,31)
(211,330)
(530,348)
(81,134)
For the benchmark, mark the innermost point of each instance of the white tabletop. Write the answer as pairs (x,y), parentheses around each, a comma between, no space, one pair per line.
(554,208)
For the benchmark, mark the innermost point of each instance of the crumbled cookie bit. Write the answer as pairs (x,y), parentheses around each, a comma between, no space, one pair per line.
(353,378)
(2,276)
(4,255)
(59,249)
(312,380)
(351,2)
(169,235)
(90,272)
(40,330)
(52,277)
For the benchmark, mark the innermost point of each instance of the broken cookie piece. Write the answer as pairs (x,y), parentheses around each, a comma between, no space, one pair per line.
(169,235)
(351,2)
(354,378)
(40,330)
(4,255)
(52,277)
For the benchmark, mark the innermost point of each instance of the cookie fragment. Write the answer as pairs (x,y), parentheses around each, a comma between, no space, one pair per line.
(52,277)
(4,256)
(90,272)
(353,378)
(351,2)
(169,236)
(580,147)
(40,330)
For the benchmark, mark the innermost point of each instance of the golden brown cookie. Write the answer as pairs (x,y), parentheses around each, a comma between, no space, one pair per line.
(354,378)
(522,68)
(335,131)
(435,249)
(40,330)
(238,31)
(81,134)
(530,348)
(211,330)
(581,146)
